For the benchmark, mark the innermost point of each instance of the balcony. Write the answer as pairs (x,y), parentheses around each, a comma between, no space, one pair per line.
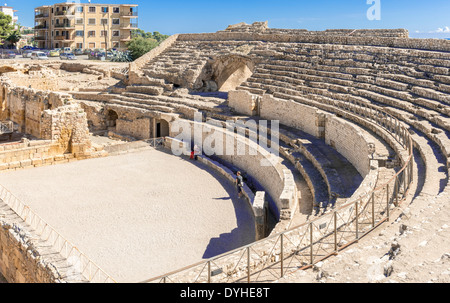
(133,14)
(41,15)
(128,26)
(125,38)
(40,38)
(41,27)
(64,38)
(67,14)
(65,26)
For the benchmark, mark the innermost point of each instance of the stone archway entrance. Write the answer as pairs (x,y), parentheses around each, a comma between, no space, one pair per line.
(162,128)
(231,71)
(225,73)
(111,118)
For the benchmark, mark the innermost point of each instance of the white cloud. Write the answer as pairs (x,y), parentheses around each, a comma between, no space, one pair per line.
(440,30)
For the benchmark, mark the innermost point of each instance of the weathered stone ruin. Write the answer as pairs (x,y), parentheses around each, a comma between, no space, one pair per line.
(351,104)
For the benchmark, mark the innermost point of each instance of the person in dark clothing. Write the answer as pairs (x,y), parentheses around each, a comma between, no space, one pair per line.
(239,183)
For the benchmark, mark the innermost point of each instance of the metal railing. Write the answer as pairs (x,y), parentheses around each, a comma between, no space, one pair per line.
(129,14)
(83,265)
(156,142)
(303,246)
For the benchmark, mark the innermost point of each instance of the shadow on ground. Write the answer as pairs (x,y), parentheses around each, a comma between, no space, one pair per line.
(244,233)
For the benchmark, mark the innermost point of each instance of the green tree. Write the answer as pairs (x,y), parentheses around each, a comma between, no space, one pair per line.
(139,46)
(159,37)
(155,35)
(6,26)
(14,37)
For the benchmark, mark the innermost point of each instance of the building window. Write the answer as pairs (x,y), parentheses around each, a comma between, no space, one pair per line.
(79,9)
(57,33)
(116,33)
(92,9)
(91,34)
(91,21)
(79,45)
(115,45)
(79,21)
(91,45)
(79,33)
(116,21)
(104,21)
(116,10)
(105,9)
(104,33)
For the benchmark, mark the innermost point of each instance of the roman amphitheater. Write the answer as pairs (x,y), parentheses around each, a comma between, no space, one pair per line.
(357,190)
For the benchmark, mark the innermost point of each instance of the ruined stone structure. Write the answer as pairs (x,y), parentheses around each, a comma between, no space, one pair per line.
(344,99)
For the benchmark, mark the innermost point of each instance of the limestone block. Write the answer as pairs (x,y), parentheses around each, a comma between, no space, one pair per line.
(242,102)
(13,165)
(25,163)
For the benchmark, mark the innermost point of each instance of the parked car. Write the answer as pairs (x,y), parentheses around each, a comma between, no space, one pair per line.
(38,56)
(29,47)
(67,56)
(54,53)
(9,55)
(78,51)
(27,54)
(66,50)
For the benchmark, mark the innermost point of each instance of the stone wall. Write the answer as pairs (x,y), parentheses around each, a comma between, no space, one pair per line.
(247,155)
(257,202)
(46,115)
(262,27)
(293,114)
(242,102)
(350,142)
(19,261)
(137,128)
(133,75)
(67,126)
(425,44)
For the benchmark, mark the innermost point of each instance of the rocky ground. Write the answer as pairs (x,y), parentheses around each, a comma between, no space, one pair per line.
(414,247)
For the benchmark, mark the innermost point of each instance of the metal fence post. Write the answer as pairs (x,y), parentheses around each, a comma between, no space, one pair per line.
(357,219)
(282,254)
(387,201)
(248,264)
(396,190)
(373,209)
(311,241)
(335,232)
(209,271)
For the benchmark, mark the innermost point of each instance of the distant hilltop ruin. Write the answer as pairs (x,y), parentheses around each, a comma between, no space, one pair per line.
(263,28)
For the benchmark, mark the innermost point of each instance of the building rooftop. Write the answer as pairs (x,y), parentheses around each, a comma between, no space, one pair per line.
(85,4)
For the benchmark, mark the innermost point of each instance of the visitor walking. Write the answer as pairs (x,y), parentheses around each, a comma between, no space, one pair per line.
(197,152)
(239,183)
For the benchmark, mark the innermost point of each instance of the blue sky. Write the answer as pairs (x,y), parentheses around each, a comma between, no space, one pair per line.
(424,19)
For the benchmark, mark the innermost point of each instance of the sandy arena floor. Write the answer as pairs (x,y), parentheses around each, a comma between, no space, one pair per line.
(137,215)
